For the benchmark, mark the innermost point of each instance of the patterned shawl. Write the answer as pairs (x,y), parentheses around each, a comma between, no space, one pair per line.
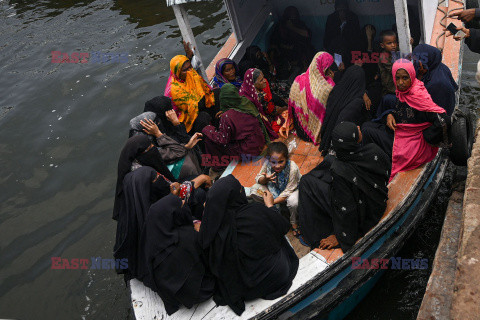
(219,79)
(309,94)
(186,94)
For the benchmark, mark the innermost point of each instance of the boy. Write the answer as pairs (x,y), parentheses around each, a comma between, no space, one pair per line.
(388,42)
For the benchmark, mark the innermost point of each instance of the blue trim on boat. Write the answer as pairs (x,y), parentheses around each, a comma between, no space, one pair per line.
(319,293)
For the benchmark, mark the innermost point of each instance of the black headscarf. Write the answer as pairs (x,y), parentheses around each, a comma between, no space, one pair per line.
(171,264)
(138,196)
(134,149)
(343,104)
(159,105)
(252,60)
(245,247)
(359,187)
(438,80)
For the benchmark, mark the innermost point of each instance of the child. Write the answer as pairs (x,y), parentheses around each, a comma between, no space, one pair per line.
(389,44)
(281,177)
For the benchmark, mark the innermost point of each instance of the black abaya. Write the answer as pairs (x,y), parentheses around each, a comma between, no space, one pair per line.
(171,262)
(245,246)
(139,193)
(358,191)
(345,103)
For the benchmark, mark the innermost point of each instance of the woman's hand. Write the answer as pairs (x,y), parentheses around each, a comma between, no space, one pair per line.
(268,199)
(202,179)
(367,101)
(188,50)
(391,123)
(458,38)
(341,67)
(151,128)
(172,117)
(194,140)
(175,188)
(328,243)
(196,225)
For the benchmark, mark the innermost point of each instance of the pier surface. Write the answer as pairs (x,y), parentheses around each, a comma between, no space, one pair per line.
(453,290)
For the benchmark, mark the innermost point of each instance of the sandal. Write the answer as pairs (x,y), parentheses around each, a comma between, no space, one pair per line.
(296,232)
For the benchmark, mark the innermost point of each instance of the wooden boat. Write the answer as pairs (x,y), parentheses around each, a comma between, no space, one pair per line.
(326,286)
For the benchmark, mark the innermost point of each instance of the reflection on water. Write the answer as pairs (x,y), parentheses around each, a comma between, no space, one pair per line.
(62,127)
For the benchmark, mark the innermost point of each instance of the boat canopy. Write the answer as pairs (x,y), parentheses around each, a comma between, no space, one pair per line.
(253,20)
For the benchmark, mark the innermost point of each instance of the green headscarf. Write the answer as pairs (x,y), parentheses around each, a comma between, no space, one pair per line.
(231,99)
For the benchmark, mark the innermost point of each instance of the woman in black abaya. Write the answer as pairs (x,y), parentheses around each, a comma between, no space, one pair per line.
(345,103)
(245,247)
(171,262)
(341,211)
(140,189)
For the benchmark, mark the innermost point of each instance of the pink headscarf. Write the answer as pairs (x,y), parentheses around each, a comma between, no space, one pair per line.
(248,89)
(417,95)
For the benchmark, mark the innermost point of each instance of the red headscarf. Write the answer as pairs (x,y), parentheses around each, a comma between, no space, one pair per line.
(417,95)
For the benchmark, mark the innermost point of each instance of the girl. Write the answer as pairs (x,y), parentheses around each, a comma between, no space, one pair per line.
(280,176)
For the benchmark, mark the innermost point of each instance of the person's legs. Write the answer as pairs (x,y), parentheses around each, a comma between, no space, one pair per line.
(292,205)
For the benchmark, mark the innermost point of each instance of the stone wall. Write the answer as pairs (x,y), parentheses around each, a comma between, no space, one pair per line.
(466,295)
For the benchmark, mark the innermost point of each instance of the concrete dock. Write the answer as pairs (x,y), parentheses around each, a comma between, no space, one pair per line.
(453,290)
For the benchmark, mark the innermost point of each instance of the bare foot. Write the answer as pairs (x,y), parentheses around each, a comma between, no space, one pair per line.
(197,225)
(328,243)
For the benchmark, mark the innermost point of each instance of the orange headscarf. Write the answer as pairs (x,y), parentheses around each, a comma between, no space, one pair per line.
(187,93)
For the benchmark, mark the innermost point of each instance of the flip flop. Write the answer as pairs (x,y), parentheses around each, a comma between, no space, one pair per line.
(302,241)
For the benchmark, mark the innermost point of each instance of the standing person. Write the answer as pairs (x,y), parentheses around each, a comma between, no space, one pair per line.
(345,195)
(290,45)
(256,88)
(226,71)
(241,130)
(436,76)
(170,259)
(342,32)
(245,246)
(192,97)
(345,103)
(414,114)
(280,176)
(255,58)
(308,97)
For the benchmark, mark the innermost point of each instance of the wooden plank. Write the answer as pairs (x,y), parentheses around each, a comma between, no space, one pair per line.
(309,266)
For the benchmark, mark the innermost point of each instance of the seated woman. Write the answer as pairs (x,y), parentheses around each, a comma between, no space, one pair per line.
(140,189)
(436,76)
(290,45)
(345,103)
(241,130)
(166,119)
(170,259)
(185,158)
(308,97)
(280,176)
(414,114)
(345,195)
(226,71)
(245,246)
(256,88)
(192,97)
(138,152)
(255,58)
